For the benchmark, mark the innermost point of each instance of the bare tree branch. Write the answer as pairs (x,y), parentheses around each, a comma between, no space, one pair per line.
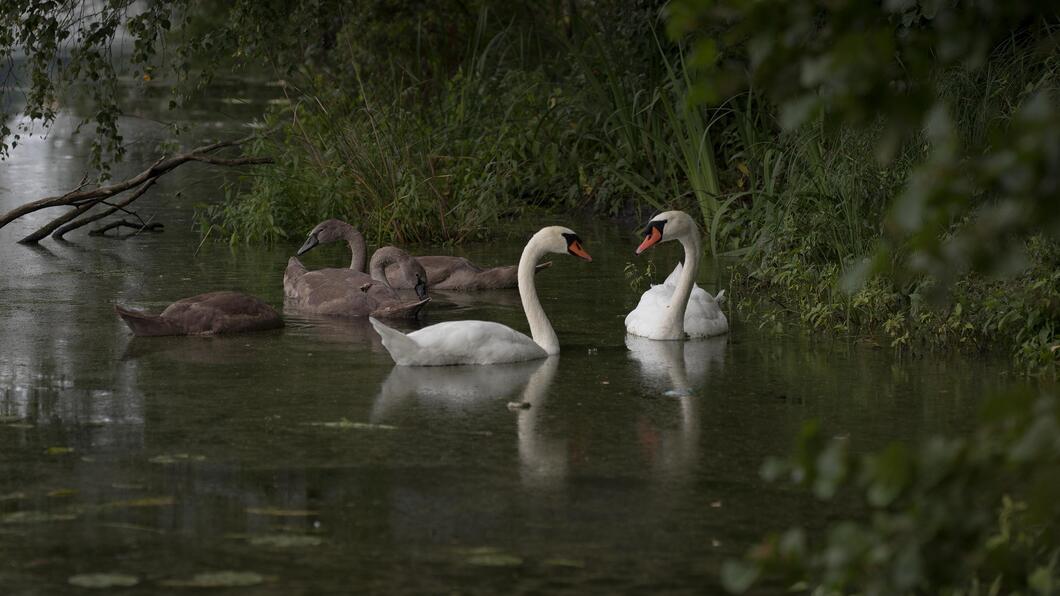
(124,223)
(84,221)
(88,198)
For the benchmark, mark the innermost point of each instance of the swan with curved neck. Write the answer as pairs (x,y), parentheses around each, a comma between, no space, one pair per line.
(438,271)
(678,307)
(486,342)
(349,292)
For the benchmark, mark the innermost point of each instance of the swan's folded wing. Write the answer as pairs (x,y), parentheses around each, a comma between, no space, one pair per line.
(473,342)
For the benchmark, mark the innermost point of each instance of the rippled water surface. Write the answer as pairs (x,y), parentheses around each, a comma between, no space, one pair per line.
(305,460)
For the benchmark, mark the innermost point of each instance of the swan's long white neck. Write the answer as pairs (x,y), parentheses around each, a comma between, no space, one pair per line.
(358,247)
(540,327)
(679,301)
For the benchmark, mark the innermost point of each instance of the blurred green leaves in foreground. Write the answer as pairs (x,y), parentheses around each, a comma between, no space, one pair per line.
(992,176)
(970,87)
(972,515)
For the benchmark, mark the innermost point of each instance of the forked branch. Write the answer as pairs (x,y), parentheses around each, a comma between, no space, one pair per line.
(82,200)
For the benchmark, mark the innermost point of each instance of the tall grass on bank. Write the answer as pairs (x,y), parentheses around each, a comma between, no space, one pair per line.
(659,143)
(409,163)
(826,199)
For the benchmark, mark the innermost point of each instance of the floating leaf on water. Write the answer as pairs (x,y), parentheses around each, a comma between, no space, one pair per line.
(286,540)
(58,450)
(135,527)
(274,512)
(477,550)
(175,458)
(216,579)
(62,492)
(495,560)
(103,580)
(560,562)
(36,517)
(123,486)
(351,425)
(145,502)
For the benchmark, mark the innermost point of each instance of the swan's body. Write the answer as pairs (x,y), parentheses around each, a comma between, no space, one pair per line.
(205,314)
(484,342)
(678,307)
(347,292)
(703,315)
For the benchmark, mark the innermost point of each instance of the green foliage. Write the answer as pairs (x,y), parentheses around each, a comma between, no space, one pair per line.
(64,45)
(863,63)
(639,280)
(411,164)
(970,515)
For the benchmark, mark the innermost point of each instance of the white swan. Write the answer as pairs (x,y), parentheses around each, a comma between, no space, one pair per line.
(486,342)
(678,306)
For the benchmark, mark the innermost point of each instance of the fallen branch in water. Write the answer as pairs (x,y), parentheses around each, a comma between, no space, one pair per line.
(124,223)
(84,221)
(82,200)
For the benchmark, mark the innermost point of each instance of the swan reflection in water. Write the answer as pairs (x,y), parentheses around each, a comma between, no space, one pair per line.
(676,369)
(457,389)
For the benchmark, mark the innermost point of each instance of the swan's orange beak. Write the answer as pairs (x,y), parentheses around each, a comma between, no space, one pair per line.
(650,239)
(575,248)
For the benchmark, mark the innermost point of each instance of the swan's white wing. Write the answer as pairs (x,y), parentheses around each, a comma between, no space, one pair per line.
(465,342)
(648,319)
(703,317)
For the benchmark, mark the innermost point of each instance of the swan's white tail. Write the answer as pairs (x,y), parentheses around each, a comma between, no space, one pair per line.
(720,297)
(401,348)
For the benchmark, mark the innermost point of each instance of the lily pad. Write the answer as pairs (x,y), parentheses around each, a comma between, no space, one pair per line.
(351,425)
(145,502)
(36,517)
(175,458)
(103,580)
(477,550)
(274,512)
(286,540)
(216,579)
(495,560)
(561,562)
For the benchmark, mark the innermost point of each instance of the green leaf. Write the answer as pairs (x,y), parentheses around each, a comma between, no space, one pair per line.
(738,576)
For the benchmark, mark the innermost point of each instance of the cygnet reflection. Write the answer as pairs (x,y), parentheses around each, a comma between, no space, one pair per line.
(677,369)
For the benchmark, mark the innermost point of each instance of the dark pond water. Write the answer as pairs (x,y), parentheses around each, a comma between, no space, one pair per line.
(304,459)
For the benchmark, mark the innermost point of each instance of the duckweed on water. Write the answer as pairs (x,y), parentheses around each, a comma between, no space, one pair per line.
(345,424)
(274,512)
(36,517)
(286,540)
(216,579)
(103,580)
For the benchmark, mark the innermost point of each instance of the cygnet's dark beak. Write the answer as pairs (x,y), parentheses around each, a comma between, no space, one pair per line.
(308,245)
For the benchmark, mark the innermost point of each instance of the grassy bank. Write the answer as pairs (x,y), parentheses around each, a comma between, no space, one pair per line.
(589,113)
